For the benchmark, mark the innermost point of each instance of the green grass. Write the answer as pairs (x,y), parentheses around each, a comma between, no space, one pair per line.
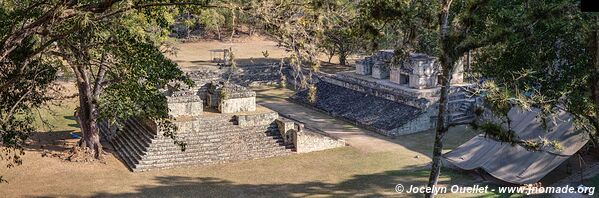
(57,117)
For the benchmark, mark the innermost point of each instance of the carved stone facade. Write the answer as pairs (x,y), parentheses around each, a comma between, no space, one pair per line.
(417,71)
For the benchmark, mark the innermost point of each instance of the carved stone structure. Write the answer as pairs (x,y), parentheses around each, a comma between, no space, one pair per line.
(183,103)
(419,71)
(242,131)
(231,98)
(363,67)
(380,64)
(406,103)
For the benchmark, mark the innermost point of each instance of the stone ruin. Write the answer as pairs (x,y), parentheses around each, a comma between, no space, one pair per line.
(231,98)
(219,122)
(183,103)
(392,99)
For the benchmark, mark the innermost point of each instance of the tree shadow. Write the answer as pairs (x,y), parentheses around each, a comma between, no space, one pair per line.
(59,141)
(367,185)
(76,125)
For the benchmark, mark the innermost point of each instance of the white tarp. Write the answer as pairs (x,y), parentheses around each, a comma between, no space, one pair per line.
(514,163)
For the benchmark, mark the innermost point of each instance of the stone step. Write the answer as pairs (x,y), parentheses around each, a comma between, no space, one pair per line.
(133,152)
(214,156)
(134,140)
(462,119)
(141,150)
(133,124)
(135,136)
(217,131)
(214,119)
(202,146)
(168,144)
(125,155)
(203,137)
(194,161)
(130,165)
(210,155)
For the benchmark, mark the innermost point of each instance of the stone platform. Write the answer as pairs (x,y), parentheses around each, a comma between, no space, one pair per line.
(211,138)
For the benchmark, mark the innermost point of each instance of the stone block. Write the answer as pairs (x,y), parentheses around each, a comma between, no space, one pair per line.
(363,69)
(285,128)
(307,141)
(234,105)
(256,119)
(380,71)
(395,75)
(190,105)
(213,100)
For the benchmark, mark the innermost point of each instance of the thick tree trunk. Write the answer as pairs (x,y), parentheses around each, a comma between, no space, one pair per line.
(88,116)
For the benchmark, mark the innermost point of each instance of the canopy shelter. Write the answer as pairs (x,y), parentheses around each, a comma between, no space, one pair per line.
(514,163)
(219,56)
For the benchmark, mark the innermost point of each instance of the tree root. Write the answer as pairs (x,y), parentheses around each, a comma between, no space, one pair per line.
(76,154)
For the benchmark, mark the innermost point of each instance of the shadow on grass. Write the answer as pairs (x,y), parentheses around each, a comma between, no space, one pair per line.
(76,125)
(52,141)
(368,185)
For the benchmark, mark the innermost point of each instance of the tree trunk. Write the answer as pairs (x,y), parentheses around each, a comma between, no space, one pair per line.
(218,33)
(441,127)
(232,24)
(88,115)
(447,68)
(343,58)
(595,79)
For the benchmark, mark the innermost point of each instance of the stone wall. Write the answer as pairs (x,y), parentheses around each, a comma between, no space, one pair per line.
(416,99)
(256,119)
(307,141)
(257,74)
(234,105)
(421,123)
(380,71)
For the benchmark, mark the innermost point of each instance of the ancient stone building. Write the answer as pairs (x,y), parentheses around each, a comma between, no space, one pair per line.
(403,102)
(218,122)
(418,71)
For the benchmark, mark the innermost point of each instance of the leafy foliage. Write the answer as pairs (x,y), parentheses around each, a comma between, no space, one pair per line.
(548,64)
(23,86)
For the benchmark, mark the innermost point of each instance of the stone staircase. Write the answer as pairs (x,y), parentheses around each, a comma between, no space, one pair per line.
(211,140)
(464,114)
(461,107)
